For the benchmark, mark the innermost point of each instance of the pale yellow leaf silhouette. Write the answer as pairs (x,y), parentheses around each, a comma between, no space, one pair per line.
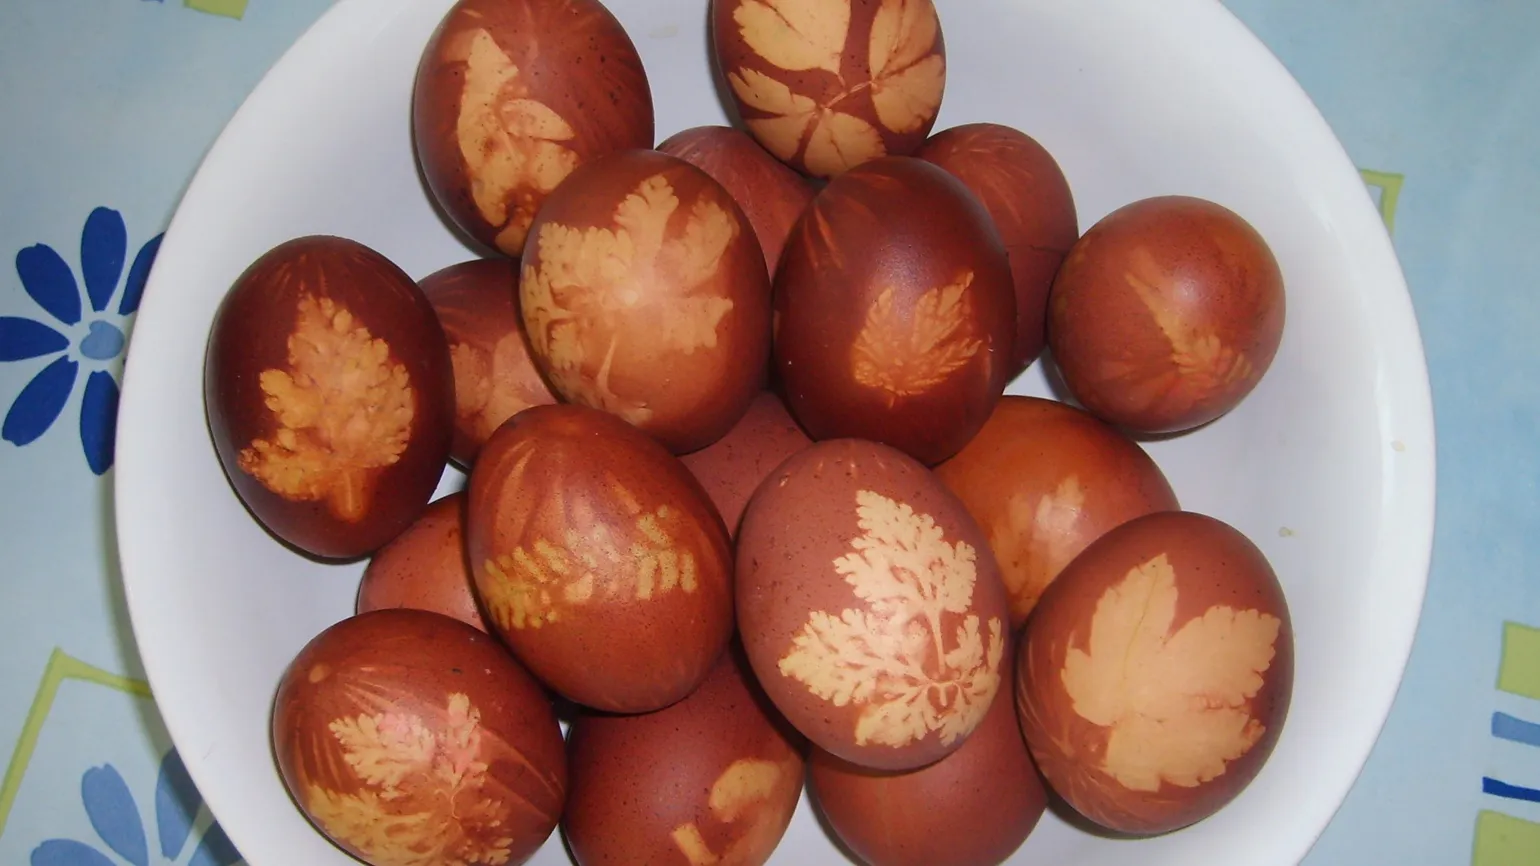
(907,77)
(1036,539)
(840,142)
(1176,704)
(796,35)
(740,794)
(835,141)
(906,355)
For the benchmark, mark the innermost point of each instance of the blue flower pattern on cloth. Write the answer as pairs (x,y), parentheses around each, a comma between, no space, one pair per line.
(77,337)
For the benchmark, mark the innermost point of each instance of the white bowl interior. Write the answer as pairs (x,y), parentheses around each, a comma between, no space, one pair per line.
(1328,466)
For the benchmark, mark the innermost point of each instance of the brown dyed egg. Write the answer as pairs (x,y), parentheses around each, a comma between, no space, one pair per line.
(1166,314)
(477,305)
(598,559)
(644,293)
(1044,480)
(406,736)
(1021,185)
(424,568)
(972,808)
(713,779)
(511,96)
(1154,676)
(895,311)
(330,395)
(771,195)
(869,605)
(827,86)
(731,467)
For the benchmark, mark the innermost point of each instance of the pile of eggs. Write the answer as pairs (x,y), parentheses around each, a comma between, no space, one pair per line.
(748,509)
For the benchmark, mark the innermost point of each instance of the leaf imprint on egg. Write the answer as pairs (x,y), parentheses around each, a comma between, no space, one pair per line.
(905,356)
(1040,536)
(491,387)
(796,35)
(907,77)
(743,794)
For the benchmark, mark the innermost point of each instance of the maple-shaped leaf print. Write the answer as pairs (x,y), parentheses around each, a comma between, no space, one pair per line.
(343,408)
(796,35)
(892,658)
(1176,705)
(908,355)
(907,77)
(836,141)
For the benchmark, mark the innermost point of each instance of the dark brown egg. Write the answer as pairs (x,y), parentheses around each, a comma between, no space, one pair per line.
(511,96)
(644,293)
(771,195)
(731,467)
(599,559)
(1044,480)
(1154,677)
(1166,314)
(406,737)
(869,605)
(424,568)
(972,808)
(330,395)
(713,779)
(1021,185)
(895,311)
(827,86)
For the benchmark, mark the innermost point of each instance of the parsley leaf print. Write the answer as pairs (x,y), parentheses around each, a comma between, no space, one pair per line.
(907,77)
(907,355)
(796,35)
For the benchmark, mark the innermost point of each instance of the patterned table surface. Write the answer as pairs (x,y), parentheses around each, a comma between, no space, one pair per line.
(108,106)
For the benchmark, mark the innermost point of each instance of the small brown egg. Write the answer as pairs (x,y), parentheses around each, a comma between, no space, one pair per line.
(827,86)
(406,736)
(713,779)
(869,605)
(1044,480)
(972,808)
(1166,314)
(1021,185)
(424,568)
(894,311)
(731,467)
(771,195)
(511,96)
(644,293)
(477,305)
(330,395)
(1154,677)
(598,559)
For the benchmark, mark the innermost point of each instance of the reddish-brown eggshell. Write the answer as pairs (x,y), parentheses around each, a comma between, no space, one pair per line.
(972,808)
(599,559)
(511,96)
(1166,314)
(1155,675)
(425,568)
(399,732)
(712,779)
(771,195)
(1021,185)
(828,86)
(869,605)
(1045,479)
(329,395)
(495,377)
(644,293)
(731,467)
(895,311)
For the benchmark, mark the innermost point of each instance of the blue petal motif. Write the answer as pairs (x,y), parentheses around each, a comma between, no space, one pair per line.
(66,852)
(99,422)
(103,247)
(39,404)
(138,274)
(215,849)
(21,339)
(111,809)
(48,280)
(176,805)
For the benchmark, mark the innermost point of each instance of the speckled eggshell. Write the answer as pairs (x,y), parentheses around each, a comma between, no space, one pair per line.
(895,311)
(511,96)
(599,559)
(1021,185)
(972,808)
(731,467)
(827,86)
(424,568)
(1155,675)
(869,605)
(712,779)
(330,396)
(399,732)
(1045,479)
(645,294)
(477,304)
(1166,314)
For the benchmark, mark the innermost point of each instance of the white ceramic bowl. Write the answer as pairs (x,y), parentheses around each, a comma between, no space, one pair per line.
(1328,465)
